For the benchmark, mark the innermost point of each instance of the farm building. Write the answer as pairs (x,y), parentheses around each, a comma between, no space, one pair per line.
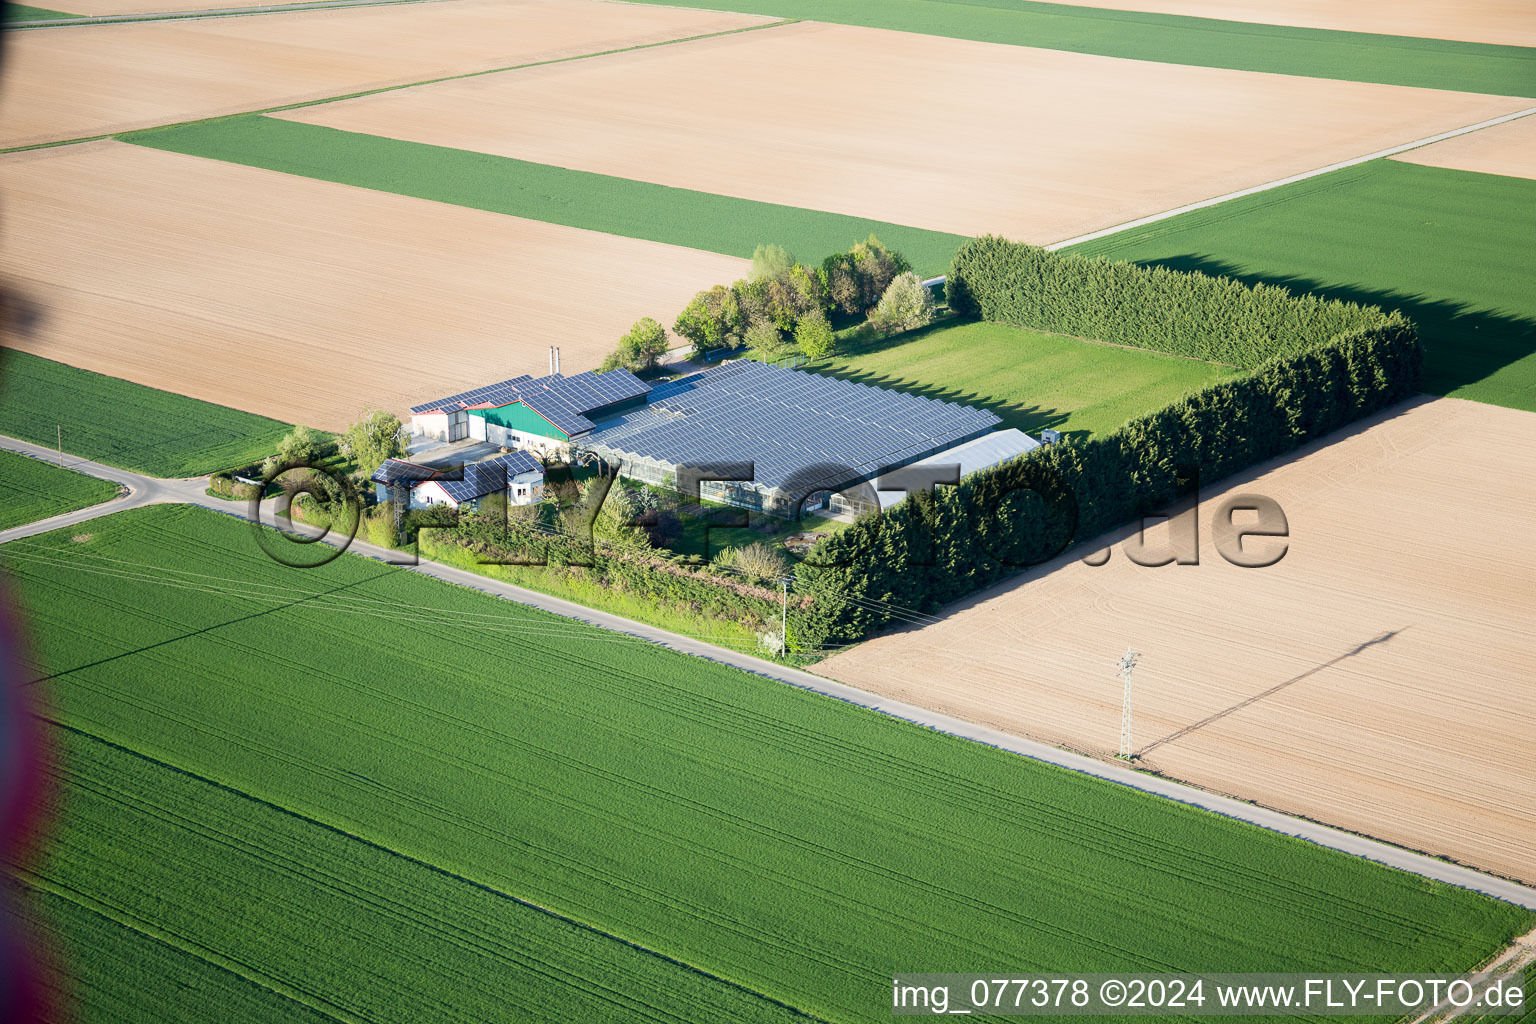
(980,453)
(519,474)
(540,414)
(809,440)
(806,435)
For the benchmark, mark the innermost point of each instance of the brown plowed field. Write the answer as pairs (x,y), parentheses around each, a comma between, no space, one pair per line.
(1379,677)
(1508,148)
(306,300)
(1511,22)
(70,83)
(1039,145)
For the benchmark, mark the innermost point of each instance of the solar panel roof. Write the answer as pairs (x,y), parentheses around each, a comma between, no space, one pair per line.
(564,401)
(394,471)
(481,478)
(492,393)
(796,426)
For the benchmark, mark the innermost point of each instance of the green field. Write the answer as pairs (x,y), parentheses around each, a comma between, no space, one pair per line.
(31,490)
(800,847)
(1173,39)
(21,12)
(1032,380)
(127,425)
(1451,249)
(597,202)
(318,921)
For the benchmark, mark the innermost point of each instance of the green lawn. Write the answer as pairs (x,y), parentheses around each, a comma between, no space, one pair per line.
(1032,380)
(127,425)
(597,202)
(441,753)
(31,490)
(1173,39)
(1451,249)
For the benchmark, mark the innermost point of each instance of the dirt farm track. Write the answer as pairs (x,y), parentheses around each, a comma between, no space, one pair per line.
(1377,678)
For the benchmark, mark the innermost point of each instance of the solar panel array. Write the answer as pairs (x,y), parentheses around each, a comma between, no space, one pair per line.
(564,401)
(496,394)
(394,471)
(787,421)
(482,478)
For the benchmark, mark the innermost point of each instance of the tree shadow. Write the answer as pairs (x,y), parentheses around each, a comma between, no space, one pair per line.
(1218,716)
(1029,418)
(1462,345)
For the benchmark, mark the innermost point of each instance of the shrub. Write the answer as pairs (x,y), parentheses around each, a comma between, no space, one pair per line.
(814,336)
(713,319)
(876,267)
(755,562)
(765,340)
(906,305)
(770,261)
(641,349)
(300,446)
(853,281)
(375,437)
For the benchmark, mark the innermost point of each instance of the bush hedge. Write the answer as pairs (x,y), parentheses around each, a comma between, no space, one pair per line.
(224,485)
(1187,314)
(934,548)
(643,573)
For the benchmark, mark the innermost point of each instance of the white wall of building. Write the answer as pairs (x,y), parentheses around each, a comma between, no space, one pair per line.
(430,424)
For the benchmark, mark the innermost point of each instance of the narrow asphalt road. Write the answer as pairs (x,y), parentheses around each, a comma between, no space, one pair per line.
(145,490)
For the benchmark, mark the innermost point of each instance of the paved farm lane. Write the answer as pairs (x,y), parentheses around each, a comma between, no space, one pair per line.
(145,490)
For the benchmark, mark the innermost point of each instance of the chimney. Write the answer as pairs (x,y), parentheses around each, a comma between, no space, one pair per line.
(557,358)
(551,359)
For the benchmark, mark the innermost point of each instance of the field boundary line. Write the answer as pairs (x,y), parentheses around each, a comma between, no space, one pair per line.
(1289,180)
(300,104)
(212,12)
(1317,833)
(436,869)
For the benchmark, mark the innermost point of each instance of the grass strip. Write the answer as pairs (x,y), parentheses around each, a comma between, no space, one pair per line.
(31,490)
(1451,249)
(1178,39)
(800,846)
(127,425)
(557,195)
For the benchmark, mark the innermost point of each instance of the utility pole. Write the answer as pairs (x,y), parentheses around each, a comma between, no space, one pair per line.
(784,615)
(1127,666)
(61,445)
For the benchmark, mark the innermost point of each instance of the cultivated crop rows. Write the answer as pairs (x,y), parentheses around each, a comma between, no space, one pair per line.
(800,847)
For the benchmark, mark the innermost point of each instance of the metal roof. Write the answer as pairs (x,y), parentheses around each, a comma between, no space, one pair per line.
(489,476)
(978,453)
(795,426)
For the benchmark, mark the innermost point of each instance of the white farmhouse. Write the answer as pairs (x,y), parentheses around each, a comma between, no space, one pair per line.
(519,474)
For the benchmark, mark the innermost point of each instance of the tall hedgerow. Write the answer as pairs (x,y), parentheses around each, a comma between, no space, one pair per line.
(1188,314)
